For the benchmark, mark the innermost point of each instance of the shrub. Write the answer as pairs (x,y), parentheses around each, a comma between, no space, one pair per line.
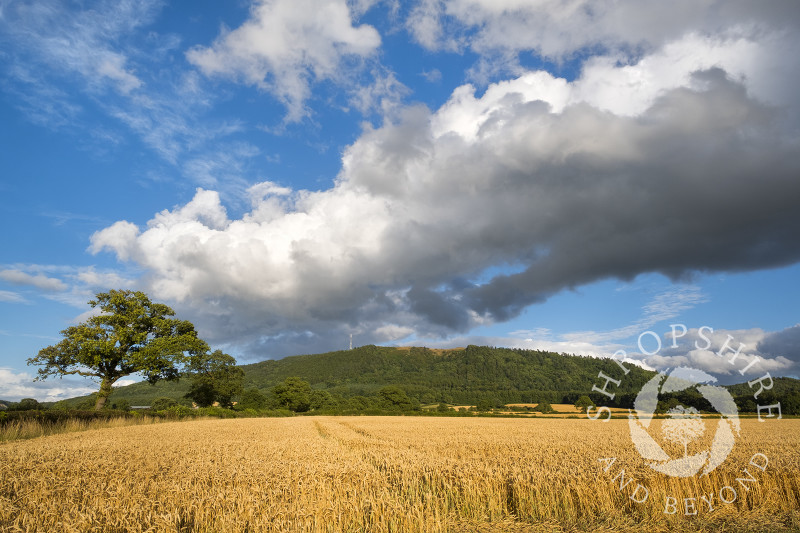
(121,405)
(161,404)
(178,411)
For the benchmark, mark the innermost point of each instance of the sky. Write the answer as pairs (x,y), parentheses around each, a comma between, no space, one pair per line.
(549,174)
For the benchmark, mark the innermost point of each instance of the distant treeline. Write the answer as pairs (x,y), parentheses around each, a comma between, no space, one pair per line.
(362,378)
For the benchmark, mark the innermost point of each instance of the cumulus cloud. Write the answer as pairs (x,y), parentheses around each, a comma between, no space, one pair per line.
(681,161)
(671,39)
(287,44)
(734,355)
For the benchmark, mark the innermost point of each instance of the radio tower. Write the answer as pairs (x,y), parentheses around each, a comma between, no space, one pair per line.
(351,341)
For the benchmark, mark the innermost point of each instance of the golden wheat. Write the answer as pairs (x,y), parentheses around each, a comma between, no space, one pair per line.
(29,429)
(384,474)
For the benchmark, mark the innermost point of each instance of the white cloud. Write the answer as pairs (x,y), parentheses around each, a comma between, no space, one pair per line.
(82,43)
(384,95)
(286,45)
(663,306)
(102,280)
(670,39)
(559,28)
(658,172)
(715,351)
(11,297)
(40,281)
(17,385)
(425,24)
(225,166)
(68,285)
(72,66)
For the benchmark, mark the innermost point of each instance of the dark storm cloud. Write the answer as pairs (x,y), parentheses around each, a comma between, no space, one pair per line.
(565,189)
(785,343)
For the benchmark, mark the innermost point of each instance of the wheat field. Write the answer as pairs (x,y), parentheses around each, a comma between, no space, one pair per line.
(387,474)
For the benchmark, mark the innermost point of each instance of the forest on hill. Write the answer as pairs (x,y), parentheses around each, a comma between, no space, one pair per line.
(462,376)
(467,376)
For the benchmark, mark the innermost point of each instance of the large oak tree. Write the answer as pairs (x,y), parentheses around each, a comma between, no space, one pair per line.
(131,335)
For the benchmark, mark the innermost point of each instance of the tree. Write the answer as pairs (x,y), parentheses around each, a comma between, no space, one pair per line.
(666,405)
(791,404)
(484,404)
(121,405)
(361,403)
(252,399)
(395,398)
(293,394)
(583,403)
(163,403)
(132,336)
(321,399)
(25,404)
(215,378)
(544,408)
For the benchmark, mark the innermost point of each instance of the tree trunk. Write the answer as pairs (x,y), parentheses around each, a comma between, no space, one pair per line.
(105,392)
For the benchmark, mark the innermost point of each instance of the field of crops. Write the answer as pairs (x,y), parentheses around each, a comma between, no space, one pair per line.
(403,474)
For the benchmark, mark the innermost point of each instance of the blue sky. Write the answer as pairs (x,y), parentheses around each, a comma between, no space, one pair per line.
(551,174)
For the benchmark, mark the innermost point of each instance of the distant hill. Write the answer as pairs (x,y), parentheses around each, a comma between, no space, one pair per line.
(459,376)
(462,376)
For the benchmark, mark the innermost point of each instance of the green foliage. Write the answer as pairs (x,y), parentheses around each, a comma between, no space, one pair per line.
(121,405)
(361,403)
(442,408)
(25,404)
(214,378)
(293,394)
(394,398)
(544,408)
(86,403)
(132,335)
(484,404)
(252,399)
(461,376)
(61,405)
(162,404)
(583,403)
(59,416)
(790,404)
(668,403)
(321,399)
(457,377)
(178,411)
(217,412)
